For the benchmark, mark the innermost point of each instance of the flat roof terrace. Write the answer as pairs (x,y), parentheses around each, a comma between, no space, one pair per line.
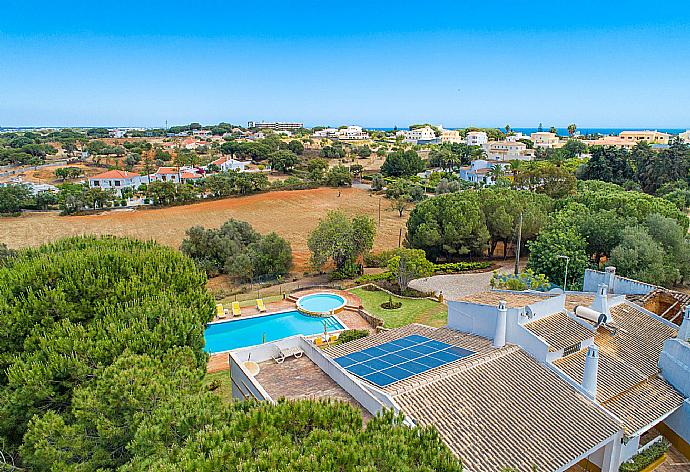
(300,378)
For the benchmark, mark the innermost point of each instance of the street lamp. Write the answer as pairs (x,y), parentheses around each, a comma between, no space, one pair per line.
(565,278)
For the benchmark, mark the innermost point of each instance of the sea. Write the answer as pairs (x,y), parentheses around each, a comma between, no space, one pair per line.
(564,131)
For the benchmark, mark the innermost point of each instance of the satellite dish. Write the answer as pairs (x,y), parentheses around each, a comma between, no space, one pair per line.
(529,312)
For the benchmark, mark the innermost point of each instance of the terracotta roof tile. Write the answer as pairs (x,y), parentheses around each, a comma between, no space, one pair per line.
(509,410)
(559,330)
(628,369)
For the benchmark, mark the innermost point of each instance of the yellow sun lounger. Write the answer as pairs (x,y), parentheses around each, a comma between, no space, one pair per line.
(260,305)
(236,309)
(220,313)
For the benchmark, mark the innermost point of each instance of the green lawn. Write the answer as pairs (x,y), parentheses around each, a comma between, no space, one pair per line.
(224,391)
(422,311)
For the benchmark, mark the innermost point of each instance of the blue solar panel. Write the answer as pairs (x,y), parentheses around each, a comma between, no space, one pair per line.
(400,359)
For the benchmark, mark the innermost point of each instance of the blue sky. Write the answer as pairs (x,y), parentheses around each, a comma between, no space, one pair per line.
(378,64)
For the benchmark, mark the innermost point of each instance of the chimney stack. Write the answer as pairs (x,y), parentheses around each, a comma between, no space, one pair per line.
(601,301)
(611,277)
(684,330)
(501,322)
(589,377)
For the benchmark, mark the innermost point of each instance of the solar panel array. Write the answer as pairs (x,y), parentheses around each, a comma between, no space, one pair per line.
(397,360)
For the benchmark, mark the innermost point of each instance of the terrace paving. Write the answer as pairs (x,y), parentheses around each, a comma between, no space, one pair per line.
(297,379)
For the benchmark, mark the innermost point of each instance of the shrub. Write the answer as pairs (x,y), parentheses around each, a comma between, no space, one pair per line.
(390,304)
(379,259)
(366,278)
(646,457)
(351,335)
(453,267)
(522,281)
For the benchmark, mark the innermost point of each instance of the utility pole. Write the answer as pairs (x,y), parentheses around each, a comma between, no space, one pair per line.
(517,249)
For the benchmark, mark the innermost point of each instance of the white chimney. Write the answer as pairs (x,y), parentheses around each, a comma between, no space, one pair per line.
(589,377)
(684,330)
(501,322)
(611,278)
(601,301)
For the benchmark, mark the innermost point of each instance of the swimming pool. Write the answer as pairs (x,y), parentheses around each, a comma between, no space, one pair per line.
(233,334)
(321,303)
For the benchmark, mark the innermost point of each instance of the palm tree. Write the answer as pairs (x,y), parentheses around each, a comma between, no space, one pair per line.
(515,166)
(497,172)
(571,129)
(507,128)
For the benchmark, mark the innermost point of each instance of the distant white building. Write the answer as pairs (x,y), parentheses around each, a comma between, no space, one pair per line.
(476,138)
(227,163)
(516,136)
(505,151)
(685,137)
(116,180)
(326,133)
(352,133)
(175,175)
(544,139)
(424,135)
(33,187)
(276,126)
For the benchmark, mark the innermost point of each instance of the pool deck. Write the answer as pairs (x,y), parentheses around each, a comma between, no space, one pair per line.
(349,317)
(297,379)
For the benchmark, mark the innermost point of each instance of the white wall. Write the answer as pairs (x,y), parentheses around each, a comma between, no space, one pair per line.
(616,283)
(473,319)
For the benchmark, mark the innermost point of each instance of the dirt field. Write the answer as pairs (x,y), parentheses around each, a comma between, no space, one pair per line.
(292,214)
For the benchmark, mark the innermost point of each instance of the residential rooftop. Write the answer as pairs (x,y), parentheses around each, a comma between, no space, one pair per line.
(480,404)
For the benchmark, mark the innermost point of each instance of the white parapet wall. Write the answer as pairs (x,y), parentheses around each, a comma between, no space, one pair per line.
(615,283)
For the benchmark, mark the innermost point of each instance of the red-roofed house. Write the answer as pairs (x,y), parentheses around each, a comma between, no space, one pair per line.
(116,179)
(175,174)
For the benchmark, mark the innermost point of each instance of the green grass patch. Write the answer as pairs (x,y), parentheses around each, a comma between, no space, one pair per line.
(219,383)
(422,310)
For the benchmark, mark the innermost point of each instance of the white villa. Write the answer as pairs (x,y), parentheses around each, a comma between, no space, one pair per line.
(227,163)
(476,138)
(424,135)
(352,133)
(561,382)
(480,171)
(326,133)
(685,136)
(117,180)
(175,174)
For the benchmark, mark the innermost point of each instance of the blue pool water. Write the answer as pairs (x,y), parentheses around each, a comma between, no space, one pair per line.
(250,331)
(321,302)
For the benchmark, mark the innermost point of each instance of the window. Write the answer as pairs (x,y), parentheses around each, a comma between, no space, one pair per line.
(117,183)
(96,183)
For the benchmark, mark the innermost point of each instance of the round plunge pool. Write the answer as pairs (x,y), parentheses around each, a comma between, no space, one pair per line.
(321,303)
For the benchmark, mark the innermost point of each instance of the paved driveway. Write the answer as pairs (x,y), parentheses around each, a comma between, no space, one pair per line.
(456,286)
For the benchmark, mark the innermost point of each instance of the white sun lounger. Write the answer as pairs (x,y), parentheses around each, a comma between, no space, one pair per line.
(282,354)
